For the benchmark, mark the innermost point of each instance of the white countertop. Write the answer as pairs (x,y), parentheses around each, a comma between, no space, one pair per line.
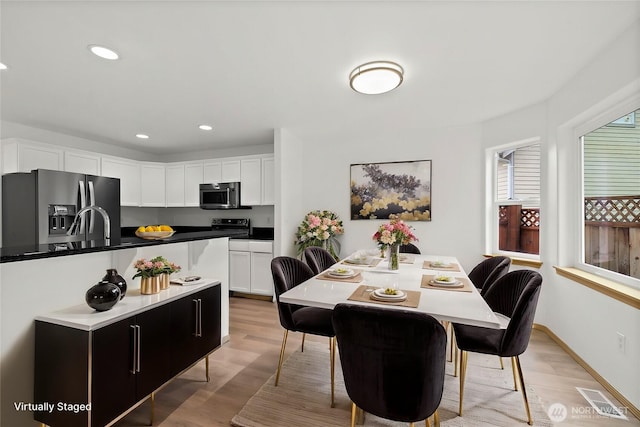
(459,307)
(85,318)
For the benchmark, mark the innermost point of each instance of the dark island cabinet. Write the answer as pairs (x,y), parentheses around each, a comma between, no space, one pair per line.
(195,328)
(120,364)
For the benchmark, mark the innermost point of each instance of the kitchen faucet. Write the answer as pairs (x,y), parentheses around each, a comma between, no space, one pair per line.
(74,229)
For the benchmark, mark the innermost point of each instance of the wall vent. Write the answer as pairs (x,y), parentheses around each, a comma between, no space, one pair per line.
(601,404)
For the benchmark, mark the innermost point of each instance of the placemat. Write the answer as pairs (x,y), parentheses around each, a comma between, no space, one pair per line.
(373,262)
(428,283)
(407,259)
(452,267)
(361,294)
(355,279)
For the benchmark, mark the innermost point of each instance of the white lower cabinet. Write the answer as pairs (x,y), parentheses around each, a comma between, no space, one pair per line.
(250,266)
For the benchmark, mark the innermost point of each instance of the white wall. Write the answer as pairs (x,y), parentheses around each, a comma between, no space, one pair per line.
(586,320)
(315,174)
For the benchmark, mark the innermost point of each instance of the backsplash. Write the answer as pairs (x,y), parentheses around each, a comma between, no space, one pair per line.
(260,216)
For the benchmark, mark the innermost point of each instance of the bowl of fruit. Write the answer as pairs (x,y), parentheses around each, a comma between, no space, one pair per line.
(154,232)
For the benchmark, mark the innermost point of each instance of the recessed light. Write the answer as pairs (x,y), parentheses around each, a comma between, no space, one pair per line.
(103,52)
(2,66)
(205,127)
(376,77)
(142,136)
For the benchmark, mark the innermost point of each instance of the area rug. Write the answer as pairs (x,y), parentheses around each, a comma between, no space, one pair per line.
(302,397)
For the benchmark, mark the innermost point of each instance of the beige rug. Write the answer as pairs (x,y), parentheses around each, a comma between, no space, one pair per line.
(303,395)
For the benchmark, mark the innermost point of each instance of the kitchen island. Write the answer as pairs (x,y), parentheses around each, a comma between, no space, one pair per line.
(33,285)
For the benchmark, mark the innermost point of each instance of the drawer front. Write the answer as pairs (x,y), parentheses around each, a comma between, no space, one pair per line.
(261,246)
(238,245)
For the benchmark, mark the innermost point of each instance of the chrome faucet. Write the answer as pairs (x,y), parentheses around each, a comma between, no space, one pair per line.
(74,228)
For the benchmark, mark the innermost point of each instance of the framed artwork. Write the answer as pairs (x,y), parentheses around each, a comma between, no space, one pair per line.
(379,190)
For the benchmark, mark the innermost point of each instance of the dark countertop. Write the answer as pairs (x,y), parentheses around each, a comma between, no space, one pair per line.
(23,253)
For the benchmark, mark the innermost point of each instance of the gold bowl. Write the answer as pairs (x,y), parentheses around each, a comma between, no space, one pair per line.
(154,235)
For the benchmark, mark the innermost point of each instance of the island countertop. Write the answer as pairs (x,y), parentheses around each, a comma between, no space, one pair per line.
(23,253)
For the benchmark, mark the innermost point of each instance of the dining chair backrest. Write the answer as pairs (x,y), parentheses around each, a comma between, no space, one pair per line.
(318,259)
(515,295)
(488,271)
(393,360)
(288,273)
(409,248)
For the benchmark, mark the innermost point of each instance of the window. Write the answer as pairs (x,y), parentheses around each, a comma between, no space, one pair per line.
(611,196)
(516,198)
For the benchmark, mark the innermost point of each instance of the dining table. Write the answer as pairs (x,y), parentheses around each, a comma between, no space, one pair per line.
(362,279)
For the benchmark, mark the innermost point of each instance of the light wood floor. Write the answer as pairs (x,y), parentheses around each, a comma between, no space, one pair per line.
(243,364)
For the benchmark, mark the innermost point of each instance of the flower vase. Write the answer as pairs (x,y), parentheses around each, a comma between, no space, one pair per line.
(164,281)
(112,276)
(103,296)
(394,258)
(150,285)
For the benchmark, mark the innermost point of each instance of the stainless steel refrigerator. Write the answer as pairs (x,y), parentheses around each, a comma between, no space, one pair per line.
(39,207)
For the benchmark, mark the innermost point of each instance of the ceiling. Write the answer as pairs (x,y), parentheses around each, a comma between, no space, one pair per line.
(249,67)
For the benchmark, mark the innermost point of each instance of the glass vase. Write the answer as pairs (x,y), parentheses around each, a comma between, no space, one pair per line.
(394,258)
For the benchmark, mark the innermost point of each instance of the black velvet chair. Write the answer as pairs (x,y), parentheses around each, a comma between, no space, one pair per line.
(409,248)
(488,271)
(393,361)
(514,298)
(318,259)
(288,273)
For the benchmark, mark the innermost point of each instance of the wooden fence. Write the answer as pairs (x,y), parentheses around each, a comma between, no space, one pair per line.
(519,229)
(612,233)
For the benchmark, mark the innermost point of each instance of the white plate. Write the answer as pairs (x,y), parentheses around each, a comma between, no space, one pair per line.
(440,264)
(454,284)
(380,293)
(347,273)
(357,261)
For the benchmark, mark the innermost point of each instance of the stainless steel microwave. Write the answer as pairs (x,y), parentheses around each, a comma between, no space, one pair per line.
(224,195)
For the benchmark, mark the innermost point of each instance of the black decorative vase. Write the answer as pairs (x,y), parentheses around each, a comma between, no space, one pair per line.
(112,276)
(103,296)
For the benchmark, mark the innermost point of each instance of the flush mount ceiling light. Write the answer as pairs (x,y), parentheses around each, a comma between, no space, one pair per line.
(205,127)
(103,52)
(376,77)
(142,136)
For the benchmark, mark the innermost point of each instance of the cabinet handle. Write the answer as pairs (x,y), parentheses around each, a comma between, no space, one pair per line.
(197,310)
(199,317)
(138,352)
(134,338)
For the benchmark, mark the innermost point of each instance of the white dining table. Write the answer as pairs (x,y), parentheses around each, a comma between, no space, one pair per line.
(444,304)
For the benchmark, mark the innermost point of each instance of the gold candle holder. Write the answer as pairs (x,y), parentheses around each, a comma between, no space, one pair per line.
(150,285)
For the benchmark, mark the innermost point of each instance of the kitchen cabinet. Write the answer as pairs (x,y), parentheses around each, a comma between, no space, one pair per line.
(152,184)
(128,171)
(81,162)
(268,181)
(175,185)
(24,156)
(230,171)
(257,255)
(119,362)
(251,182)
(212,172)
(193,177)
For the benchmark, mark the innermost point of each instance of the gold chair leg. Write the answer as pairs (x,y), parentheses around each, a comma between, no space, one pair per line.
(501,364)
(303,337)
(455,358)
(524,391)
(463,373)
(515,373)
(427,423)
(284,344)
(332,357)
(353,414)
(153,409)
(411,424)
(436,419)
(206,367)
(449,331)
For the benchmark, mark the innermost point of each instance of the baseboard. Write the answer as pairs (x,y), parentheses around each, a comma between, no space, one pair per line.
(611,389)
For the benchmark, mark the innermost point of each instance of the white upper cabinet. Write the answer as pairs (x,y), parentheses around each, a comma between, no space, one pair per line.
(193,177)
(175,184)
(268,181)
(81,162)
(152,184)
(23,156)
(251,178)
(231,171)
(212,172)
(129,173)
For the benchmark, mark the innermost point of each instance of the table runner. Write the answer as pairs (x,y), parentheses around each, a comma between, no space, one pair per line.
(361,294)
(428,283)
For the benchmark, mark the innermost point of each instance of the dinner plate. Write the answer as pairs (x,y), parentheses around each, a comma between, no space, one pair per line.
(343,274)
(454,284)
(440,264)
(380,293)
(357,261)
